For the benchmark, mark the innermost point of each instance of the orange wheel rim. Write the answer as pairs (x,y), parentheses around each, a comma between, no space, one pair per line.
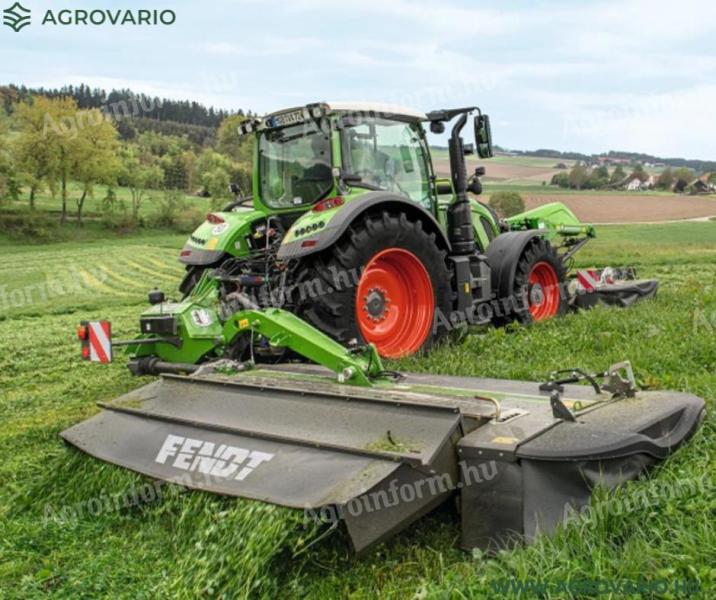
(543,291)
(395,304)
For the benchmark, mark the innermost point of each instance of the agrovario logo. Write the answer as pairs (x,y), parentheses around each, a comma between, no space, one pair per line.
(17,17)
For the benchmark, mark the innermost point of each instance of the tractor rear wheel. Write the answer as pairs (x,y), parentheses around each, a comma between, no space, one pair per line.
(381,283)
(539,285)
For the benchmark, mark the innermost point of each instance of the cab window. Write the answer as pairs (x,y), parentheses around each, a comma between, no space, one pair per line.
(389,155)
(294,166)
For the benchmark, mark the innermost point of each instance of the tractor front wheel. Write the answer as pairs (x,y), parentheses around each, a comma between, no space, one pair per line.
(382,283)
(539,285)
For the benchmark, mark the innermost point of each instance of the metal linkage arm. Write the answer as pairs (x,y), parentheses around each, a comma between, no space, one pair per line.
(282,328)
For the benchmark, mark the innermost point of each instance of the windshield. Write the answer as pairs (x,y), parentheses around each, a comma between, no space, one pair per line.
(389,155)
(294,166)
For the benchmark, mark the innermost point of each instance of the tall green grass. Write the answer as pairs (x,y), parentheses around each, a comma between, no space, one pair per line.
(189,544)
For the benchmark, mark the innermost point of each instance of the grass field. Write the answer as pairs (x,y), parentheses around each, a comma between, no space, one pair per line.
(94,202)
(67,529)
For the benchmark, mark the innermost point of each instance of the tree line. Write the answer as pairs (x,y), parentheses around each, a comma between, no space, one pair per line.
(700,166)
(582,177)
(159,109)
(47,142)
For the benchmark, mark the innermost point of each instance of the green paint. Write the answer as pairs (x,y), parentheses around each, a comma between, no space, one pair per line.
(556,218)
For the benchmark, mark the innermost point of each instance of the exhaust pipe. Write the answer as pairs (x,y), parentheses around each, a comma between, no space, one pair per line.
(460,232)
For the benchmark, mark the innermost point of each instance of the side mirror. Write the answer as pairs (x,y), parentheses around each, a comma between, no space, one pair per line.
(483,136)
(437,127)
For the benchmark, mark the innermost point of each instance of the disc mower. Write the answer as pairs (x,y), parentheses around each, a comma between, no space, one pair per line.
(349,227)
(357,446)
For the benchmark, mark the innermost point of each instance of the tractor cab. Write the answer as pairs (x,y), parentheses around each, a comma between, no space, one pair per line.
(304,155)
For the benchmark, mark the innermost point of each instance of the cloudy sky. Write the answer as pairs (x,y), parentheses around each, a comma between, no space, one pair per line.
(592,76)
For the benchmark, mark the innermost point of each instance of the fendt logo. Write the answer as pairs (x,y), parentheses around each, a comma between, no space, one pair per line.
(16,17)
(208,458)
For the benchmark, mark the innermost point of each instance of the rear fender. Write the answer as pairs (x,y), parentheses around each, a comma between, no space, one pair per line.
(316,231)
(503,254)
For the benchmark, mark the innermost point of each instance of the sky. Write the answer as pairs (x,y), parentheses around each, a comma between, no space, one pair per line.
(589,76)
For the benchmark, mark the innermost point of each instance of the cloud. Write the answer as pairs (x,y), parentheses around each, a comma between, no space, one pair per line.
(590,75)
(667,124)
(269,46)
(442,18)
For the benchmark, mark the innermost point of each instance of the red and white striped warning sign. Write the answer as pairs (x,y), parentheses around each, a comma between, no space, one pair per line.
(100,341)
(588,279)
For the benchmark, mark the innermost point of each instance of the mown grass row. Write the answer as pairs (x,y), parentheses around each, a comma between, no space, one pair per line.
(62,277)
(177,544)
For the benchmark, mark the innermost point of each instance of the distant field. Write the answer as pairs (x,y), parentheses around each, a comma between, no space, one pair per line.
(513,170)
(528,175)
(94,204)
(629,208)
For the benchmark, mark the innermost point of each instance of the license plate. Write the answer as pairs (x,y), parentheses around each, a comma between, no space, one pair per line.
(289,118)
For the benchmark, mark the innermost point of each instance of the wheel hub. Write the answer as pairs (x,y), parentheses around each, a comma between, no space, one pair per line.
(394,303)
(543,291)
(376,304)
(536,294)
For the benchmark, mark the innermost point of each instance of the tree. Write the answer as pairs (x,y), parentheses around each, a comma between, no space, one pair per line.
(601,172)
(578,176)
(712,178)
(140,173)
(96,159)
(617,175)
(59,142)
(230,143)
(683,177)
(215,174)
(176,173)
(49,144)
(560,179)
(665,179)
(599,178)
(36,153)
(507,204)
(639,172)
(9,184)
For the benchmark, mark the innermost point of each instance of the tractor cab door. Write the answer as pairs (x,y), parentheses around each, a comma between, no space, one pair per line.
(390,155)
(294,167)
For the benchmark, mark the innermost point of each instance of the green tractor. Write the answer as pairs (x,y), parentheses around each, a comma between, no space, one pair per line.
(349,227)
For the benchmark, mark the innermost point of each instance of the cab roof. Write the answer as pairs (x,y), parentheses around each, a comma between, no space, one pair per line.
(378,107)
(382,108)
